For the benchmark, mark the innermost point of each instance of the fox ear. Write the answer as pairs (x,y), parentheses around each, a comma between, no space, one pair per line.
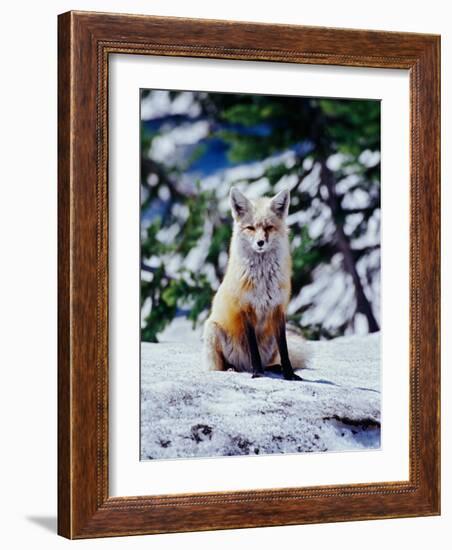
(280,203)
(240,205)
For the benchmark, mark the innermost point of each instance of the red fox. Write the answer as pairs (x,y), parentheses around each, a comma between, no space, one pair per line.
(246,330)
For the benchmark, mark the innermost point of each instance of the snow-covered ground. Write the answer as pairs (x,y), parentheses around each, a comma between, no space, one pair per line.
(188,412)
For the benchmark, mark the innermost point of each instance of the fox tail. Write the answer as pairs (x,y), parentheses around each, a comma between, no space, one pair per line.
(299,353)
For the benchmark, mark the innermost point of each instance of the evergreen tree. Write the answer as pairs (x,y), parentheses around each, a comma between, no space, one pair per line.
(196,145)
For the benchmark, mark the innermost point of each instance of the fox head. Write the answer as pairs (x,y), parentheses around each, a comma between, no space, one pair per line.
(260,224)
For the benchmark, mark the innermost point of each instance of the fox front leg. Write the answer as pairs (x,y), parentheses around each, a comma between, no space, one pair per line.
(256,363)
(281,339)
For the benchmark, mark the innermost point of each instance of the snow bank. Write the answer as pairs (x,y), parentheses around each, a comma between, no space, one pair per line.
(188,412)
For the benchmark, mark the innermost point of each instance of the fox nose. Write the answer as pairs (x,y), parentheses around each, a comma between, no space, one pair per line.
(260,244)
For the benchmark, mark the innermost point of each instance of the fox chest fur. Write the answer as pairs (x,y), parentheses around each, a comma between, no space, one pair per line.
(265,285)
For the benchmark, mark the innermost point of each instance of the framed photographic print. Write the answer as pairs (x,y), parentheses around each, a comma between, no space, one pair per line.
(248,275)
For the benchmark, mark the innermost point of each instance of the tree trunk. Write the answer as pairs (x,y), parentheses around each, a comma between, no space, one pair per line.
(362,303)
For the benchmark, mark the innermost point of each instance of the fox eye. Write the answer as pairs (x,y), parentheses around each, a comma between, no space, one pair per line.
(269,227)
(250,227)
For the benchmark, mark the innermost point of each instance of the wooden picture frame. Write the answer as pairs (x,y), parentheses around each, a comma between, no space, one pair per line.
(85,42)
